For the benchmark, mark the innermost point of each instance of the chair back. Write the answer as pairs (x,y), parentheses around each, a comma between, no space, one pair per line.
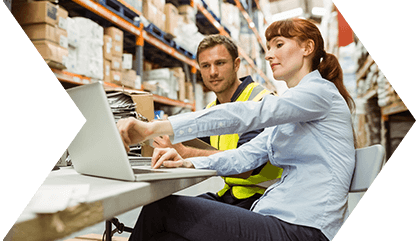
(368,163)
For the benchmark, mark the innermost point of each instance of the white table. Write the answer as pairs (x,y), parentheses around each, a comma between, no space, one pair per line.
(106,199)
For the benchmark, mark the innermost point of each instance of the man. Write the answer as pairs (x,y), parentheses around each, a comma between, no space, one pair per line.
(218,60)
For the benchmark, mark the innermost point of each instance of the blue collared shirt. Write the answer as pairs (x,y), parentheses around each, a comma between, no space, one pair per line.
(308,133)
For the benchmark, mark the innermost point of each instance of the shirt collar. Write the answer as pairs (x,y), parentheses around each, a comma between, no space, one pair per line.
(312,75)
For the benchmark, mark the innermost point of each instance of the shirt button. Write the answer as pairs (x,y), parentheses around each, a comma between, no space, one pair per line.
(190,130)
(181,132)
(221,124)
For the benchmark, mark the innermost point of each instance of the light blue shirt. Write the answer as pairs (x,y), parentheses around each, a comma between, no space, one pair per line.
(309,134)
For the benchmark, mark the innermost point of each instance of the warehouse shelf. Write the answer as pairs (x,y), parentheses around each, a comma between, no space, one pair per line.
(261,10)
(136,29)
(141,34)
(251,24)
(366,66)
(71,78)
(394,108)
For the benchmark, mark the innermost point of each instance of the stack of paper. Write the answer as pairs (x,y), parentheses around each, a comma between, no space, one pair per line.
(121,105)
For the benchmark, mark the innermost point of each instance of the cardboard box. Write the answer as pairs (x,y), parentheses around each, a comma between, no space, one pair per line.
(117,49)
(171,23)
(116,63)
(40,31)
(36,12)
(127,61)
(154,15)
(116,77)
(107,70)
(117,40)
(62,16)
(143,101)
(43,31)
(188,13)
(107,47)
(159,4)
(144,104)
(53,54)
(129,78)
(115,33)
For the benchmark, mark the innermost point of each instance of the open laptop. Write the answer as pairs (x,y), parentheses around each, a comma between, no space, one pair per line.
(98,149)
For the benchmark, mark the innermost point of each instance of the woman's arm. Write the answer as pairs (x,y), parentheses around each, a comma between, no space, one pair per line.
(303,103)
(245,158)
(134,131)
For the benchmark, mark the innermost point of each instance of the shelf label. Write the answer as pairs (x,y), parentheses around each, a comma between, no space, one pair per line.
(114,18)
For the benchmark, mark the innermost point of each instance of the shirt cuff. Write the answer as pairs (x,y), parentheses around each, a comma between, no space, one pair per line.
(200,162)
(184,127)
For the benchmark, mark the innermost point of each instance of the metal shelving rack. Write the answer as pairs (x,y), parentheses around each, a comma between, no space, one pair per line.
(140,36)
(390,114)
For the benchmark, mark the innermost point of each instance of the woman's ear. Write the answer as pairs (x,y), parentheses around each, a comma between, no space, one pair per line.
(309,47)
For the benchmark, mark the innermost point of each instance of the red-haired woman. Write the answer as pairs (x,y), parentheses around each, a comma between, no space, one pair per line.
(308,133)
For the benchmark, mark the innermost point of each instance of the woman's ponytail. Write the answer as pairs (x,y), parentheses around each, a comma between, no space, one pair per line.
(331,70)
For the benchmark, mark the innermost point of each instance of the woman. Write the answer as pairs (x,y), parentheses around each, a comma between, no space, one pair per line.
(309,134)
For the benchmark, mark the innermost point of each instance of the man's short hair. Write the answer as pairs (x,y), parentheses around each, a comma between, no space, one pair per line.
(214,40)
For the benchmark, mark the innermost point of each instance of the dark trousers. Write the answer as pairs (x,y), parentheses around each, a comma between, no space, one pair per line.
(177,218)
(230,199)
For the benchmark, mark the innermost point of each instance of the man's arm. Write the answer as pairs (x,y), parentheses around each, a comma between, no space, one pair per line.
(184,151)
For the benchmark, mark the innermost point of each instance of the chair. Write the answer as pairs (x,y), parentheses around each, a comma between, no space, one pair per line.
(368,163)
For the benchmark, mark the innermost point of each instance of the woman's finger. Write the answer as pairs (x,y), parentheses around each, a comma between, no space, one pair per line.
(160,155)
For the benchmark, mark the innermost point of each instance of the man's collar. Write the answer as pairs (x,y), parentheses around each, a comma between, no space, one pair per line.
(245,81)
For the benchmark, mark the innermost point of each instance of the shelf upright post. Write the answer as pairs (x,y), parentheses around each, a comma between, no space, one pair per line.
(193,77)
(188,74)
(138,62)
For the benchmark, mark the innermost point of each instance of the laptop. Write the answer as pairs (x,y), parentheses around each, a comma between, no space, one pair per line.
(98,149)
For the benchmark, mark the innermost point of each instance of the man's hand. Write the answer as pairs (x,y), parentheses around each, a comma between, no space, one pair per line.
(133,131)
(168,157)
(163,142)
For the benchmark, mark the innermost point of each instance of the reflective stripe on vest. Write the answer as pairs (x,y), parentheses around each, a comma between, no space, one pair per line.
(244,188)
(253,92)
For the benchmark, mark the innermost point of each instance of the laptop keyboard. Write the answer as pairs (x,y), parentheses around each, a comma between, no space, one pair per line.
(144,171)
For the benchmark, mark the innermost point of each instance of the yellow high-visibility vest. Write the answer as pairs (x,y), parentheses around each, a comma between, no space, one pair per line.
(244,188)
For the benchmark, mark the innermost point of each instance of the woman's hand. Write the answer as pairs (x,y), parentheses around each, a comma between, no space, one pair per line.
(133,131)
(168,157)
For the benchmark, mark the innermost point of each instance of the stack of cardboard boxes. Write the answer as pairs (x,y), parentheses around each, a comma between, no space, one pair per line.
(113,55)
(169,82)
(163,15)
(83,47)
(46,25)
(153,10)
(118,65)
(188,35)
